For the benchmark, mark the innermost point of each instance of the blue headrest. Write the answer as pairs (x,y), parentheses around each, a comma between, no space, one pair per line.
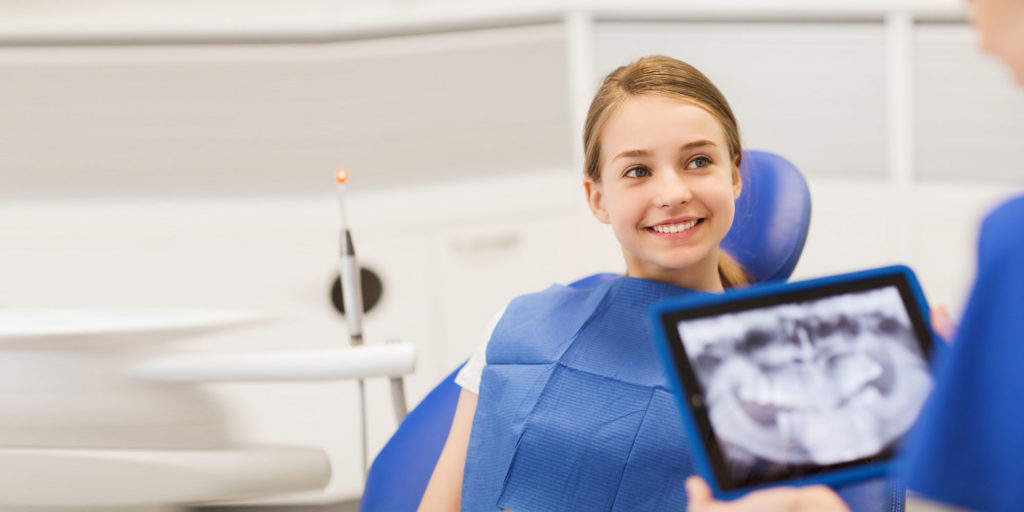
(773,215)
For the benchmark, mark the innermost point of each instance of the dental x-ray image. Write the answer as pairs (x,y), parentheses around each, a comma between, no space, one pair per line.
(808,384)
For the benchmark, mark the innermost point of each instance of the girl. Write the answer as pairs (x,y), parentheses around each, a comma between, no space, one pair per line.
(571,409)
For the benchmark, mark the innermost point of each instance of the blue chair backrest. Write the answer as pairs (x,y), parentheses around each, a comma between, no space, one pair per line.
(773,216)
(399,475)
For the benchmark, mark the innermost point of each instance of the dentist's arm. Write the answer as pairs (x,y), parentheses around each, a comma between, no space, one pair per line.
(444,491)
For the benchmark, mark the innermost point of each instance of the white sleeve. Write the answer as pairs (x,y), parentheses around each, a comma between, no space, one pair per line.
(469,376)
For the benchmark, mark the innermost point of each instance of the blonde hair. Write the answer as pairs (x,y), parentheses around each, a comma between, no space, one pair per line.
(671,78)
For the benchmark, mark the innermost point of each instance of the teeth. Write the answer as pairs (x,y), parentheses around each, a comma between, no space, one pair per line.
(786,391)
(748,393)
(787,425)
(853,372)
(674,228)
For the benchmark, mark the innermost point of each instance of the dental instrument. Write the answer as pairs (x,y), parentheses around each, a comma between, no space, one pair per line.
(351,287)
(352,296)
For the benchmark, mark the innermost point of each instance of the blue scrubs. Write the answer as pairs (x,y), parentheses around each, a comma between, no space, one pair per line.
(968,447)
(576,413)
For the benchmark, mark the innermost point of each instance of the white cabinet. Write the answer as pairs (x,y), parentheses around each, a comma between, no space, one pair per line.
(449,256)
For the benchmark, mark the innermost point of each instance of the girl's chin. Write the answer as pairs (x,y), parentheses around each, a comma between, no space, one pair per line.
(663,264)
(664,270)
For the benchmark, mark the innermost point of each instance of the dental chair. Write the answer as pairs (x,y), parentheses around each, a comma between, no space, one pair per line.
(772,218)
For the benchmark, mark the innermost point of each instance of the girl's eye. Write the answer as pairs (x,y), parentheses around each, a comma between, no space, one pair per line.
(699,163)
(637,172)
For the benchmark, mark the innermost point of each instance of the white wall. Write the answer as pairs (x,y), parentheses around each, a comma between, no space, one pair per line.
(161,161)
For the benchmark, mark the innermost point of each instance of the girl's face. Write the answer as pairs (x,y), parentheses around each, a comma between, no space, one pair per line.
(668,188)
(1001,27)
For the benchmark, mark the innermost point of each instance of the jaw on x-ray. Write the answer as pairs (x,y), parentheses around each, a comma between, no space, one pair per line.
(813,383)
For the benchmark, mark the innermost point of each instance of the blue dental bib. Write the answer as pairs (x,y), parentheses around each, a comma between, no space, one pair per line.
(576,413)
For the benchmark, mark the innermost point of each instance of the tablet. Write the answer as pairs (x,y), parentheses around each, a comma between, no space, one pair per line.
(798,383)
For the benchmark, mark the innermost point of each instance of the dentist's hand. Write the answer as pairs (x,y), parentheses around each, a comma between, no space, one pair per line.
(942,324)
(817,498)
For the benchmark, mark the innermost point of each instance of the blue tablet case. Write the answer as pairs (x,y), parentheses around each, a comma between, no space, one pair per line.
(664,316)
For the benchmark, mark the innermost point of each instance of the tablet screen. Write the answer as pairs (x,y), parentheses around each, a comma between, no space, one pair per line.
(792,385)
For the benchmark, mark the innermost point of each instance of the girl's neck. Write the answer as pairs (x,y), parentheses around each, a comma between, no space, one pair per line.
(701,276)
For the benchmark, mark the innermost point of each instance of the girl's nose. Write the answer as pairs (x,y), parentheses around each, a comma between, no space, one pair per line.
(673,190)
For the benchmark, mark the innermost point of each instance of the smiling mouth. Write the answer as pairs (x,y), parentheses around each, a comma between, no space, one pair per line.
(675,228)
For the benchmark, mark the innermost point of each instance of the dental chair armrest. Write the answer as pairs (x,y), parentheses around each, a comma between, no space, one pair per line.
(375,360)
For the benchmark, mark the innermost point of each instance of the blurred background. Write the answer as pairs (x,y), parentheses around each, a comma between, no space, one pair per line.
(158,154)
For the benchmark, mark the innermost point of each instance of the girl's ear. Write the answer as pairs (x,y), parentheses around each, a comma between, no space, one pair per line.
(595,200)
(737,180)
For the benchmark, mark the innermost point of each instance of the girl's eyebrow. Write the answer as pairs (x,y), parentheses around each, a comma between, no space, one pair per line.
(697,143)
(631,152)
(645,152)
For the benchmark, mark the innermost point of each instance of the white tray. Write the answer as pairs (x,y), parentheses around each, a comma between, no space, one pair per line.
(74,327)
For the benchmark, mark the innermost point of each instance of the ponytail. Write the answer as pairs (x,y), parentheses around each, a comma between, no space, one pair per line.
(730,271)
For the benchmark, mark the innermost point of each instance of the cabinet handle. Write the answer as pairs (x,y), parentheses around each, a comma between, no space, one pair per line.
(482,243)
